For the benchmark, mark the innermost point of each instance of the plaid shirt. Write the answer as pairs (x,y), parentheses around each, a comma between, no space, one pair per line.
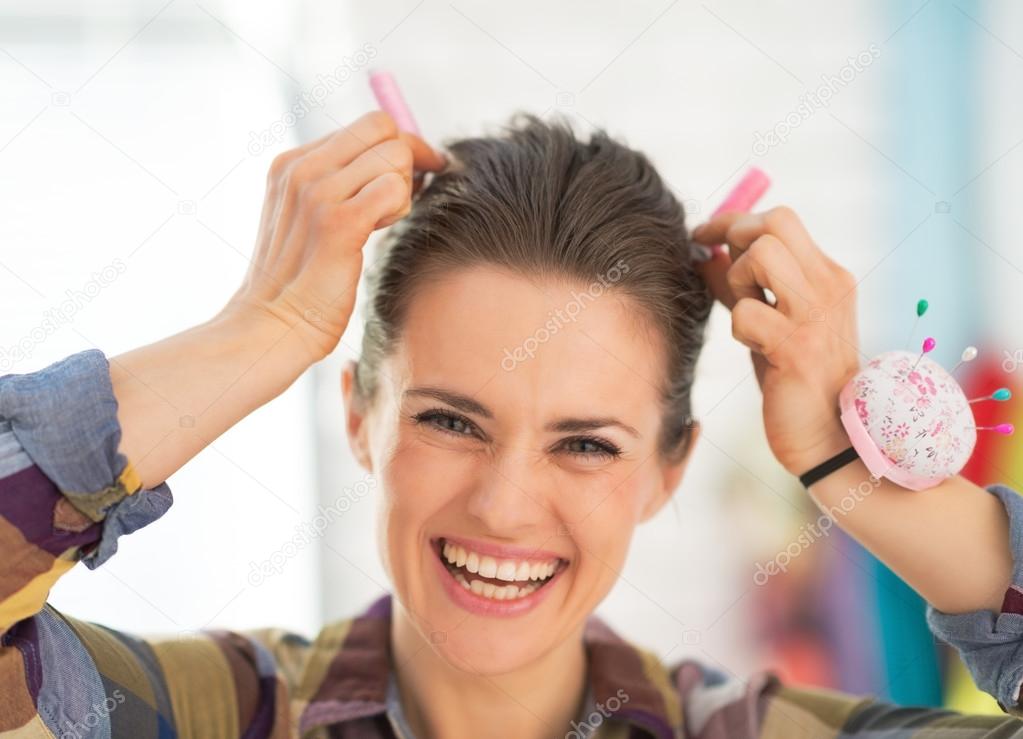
(66,494)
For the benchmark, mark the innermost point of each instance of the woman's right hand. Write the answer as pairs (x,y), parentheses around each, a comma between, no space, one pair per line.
(323,200)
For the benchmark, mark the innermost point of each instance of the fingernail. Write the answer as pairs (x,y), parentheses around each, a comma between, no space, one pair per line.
(700,252)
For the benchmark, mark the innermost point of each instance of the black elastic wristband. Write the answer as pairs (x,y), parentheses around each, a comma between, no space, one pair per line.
(828,466)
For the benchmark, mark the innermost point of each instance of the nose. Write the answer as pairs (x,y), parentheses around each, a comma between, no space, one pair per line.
(511,494)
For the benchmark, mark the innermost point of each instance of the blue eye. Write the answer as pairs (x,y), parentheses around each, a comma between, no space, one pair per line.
(582,447)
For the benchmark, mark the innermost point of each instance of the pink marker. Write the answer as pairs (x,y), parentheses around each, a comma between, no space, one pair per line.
(741,199)
(390,100)
(745,195)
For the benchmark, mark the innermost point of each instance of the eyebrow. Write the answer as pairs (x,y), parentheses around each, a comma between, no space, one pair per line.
(467,404)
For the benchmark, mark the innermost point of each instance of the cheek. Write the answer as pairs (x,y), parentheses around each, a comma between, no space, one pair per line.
(606,530)
(423,477)
(418,482)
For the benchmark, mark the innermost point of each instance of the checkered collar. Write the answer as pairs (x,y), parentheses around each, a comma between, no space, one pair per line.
(626,684)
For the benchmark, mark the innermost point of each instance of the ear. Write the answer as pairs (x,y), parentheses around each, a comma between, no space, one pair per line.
(671,476)
(355,417)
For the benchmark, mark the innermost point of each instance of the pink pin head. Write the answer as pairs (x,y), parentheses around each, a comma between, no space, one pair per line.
(929,344)
(1004,428)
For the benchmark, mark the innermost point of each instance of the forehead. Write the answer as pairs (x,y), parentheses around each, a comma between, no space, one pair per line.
(547,344)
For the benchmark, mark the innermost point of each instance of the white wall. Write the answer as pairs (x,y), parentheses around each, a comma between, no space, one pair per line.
(125,134)
(123,145)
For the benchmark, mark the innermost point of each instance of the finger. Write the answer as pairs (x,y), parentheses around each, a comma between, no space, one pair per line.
(761,328)
(713,231)
(343,146)
(341,229)
(282,161)
(385,197)
(739,230)
(424,157)
(388,156)
(427,158)
(714,272)
(357,135)
(767,263)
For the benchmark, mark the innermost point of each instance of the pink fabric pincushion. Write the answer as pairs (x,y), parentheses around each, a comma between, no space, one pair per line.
(910,424)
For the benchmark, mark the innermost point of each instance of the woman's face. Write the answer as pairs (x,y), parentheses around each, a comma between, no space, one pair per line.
(514,441)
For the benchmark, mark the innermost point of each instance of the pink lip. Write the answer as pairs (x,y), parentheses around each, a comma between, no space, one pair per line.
(501,551)
(484,606)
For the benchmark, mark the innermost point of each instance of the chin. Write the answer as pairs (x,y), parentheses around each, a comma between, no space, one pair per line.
(490,609)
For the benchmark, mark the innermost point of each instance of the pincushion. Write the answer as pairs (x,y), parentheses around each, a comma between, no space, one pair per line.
(908,419)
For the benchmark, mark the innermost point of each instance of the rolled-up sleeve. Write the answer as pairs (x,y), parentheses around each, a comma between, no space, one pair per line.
(66,493)
(991,644)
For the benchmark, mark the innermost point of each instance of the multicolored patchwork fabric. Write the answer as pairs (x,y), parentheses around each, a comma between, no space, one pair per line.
(66,495)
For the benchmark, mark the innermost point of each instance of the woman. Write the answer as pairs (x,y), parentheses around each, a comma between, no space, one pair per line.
(523,403)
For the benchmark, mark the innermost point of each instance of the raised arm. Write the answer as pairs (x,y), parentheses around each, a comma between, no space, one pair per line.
(951,543)
(86,444)
(322,202)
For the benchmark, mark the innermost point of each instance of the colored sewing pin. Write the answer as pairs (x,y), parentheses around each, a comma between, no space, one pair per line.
(1002,393)
(1002,428)
(921,308)
(969,354)
(927,346)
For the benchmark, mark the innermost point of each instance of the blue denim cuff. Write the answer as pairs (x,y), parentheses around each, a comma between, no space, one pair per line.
(990,644)
(65,419)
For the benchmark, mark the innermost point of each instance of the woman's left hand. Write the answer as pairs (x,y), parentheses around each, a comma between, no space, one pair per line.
(804,346)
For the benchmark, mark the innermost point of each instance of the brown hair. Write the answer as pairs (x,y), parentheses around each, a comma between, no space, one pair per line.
(541,203)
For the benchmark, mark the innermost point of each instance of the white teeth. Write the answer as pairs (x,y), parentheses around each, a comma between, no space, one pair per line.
(488,567)
(489,590)
(526,572)
(506,570)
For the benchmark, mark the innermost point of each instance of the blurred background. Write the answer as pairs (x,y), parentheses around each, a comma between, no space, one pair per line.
(134,141)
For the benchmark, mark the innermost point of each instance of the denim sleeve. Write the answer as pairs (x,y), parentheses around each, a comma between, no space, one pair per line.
(991,645)
(62,421)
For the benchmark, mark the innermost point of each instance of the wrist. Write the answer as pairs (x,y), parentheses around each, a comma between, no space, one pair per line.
(830,440)
(310,333)
(257,343)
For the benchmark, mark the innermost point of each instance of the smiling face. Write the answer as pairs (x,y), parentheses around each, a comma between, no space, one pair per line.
(510,488)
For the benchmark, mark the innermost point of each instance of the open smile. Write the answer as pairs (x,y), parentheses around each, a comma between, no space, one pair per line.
(496,580)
